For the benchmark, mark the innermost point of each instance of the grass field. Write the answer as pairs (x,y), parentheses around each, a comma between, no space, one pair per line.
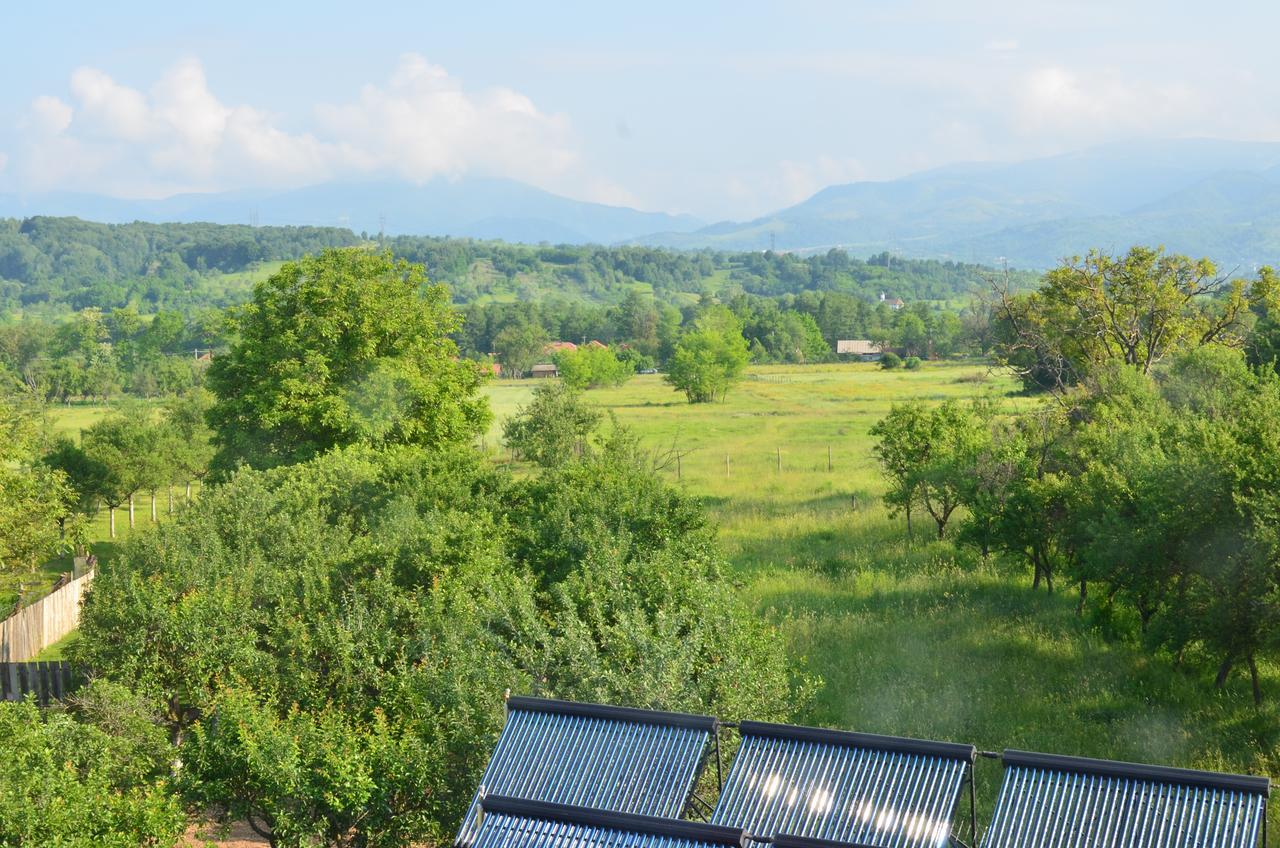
(916,638)
(908,637)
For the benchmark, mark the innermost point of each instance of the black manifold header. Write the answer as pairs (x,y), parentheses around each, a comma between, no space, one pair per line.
(1138,771)
(947,750)
(611,713)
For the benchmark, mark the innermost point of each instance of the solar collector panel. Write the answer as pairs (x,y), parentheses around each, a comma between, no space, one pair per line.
(1050,801)
(516,823)
(880,791)
(594,755)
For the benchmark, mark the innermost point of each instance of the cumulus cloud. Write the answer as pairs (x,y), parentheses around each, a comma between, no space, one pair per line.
(1058,100)
(422,124)
(180,136)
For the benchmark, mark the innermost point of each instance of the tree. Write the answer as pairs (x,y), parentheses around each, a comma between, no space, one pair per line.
(520,347)
(192,439)
(592,368)
(553,427)
(327,643)
(710,358)
(34,498)
(1137,309)
(120,448)
(346,347)
(95,776)
(929,456)
(902,448)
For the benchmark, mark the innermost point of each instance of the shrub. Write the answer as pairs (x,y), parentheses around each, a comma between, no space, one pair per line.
(890,360)
(911,363)
(95,778)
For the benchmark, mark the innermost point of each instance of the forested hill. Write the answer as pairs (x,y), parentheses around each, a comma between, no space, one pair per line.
(57,264)
(51,266)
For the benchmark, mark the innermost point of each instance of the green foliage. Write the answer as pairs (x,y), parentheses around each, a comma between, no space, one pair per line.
(911,363)
(66,263)
(1136,309)
(347,347)
(928,453)
(890,360)
(554,427)
(35,499)
(709,358)
(95,781)
(591,367)
(520,347)
(329,641)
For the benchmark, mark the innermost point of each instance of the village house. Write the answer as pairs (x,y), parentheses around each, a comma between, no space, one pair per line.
(864,350)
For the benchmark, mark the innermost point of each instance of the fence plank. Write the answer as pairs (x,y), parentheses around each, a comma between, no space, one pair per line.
(32,629)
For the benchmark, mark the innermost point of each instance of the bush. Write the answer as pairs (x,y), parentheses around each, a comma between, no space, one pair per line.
(592,368)
(911,363)
(95,778)
(890,360)
(329,641)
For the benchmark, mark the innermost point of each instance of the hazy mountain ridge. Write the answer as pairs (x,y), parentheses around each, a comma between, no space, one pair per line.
(1219,199)
(475,207)
(1203,197)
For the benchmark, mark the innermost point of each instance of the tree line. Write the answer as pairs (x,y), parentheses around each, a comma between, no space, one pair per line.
(1147,476)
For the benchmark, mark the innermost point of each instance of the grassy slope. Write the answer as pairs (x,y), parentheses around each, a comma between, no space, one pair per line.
(911,638)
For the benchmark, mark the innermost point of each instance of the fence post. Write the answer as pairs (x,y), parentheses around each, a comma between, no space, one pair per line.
(779,460)
(679,472)
(828,457)
(726,466)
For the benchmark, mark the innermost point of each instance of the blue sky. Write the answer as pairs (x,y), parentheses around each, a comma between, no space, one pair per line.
(725,110)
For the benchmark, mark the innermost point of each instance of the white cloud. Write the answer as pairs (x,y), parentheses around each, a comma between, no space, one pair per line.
(48,116)
(423,124)
(1058,100)
(180,136)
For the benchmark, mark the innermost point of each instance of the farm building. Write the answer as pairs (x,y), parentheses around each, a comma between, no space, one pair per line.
(556,347)
(864,349)
(546,369)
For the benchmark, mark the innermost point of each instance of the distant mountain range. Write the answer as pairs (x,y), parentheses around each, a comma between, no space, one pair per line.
(1202,197)
(1207,198)
(475,207)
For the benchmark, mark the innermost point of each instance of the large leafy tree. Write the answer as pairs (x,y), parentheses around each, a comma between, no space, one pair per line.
(346,347)
(1137,309)
(710,358)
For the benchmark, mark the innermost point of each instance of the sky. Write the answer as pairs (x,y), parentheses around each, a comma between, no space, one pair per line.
(722,110)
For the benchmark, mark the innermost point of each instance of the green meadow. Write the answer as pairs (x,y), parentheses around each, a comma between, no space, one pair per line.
(908,636)
(914,637)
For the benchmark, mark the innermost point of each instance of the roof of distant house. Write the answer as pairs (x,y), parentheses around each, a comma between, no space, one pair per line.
(553,347)
(858,346)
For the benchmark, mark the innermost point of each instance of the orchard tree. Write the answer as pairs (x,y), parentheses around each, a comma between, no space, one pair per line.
(710,357)
(120,448)
(592,367)
(345,347)
(520,346)
(553,427)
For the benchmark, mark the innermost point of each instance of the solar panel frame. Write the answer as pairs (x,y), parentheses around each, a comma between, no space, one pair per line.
(594,755)
(1055,801)
(858,788)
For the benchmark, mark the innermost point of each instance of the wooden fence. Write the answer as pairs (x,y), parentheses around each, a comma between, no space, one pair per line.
(48,681)
(32,629)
